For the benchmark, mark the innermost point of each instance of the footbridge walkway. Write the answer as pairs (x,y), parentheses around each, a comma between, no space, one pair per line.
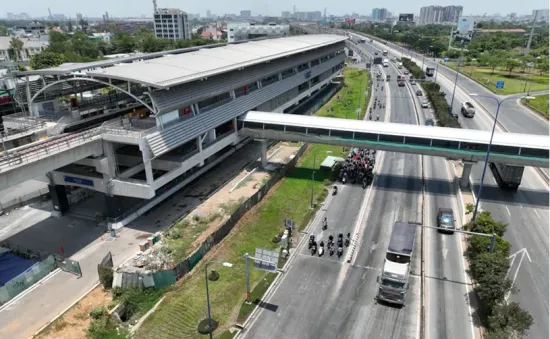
(453,143)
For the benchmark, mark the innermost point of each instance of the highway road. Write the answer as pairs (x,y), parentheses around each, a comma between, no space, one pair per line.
(312,299)
(526,211)
(320,298)
(447,312)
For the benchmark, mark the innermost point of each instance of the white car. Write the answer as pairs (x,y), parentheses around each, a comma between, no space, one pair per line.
(425,103)
(413,82)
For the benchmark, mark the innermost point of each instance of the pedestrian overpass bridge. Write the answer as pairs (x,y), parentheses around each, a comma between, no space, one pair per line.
(453,143)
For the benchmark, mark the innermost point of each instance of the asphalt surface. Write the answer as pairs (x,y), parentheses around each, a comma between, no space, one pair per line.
(325,299)
(525,211)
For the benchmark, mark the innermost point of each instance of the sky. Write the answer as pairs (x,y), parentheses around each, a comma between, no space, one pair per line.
(126,8)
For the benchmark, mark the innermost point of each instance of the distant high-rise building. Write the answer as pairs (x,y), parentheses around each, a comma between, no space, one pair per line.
(171,23)
(78,18)
(439,14)
(246,14)
(379,14)
(542,15)
(208,14)
(308,16)
(285,15)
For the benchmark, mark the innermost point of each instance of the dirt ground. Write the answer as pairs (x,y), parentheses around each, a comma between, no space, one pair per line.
(74,323)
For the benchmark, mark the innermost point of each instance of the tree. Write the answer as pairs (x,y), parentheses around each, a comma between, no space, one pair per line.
(510,319)
(70,25)
(46,59)
(3,30)
(485,223)
(542,64)
(510,64)
(14,51)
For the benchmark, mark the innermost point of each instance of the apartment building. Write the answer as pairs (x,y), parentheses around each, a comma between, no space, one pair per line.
(171,23)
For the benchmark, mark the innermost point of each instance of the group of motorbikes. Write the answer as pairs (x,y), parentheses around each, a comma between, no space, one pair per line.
(358,167)
(319,248)
(380,106)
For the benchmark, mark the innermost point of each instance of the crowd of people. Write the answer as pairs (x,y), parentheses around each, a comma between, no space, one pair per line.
(358,167)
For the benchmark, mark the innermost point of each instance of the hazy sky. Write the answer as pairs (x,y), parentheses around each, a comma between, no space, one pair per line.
(138,7)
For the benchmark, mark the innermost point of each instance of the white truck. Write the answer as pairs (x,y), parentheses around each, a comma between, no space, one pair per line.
(386,63)
(507,176)
(399,65)
(393,282)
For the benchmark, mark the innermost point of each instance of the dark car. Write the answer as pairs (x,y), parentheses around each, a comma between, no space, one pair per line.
(419,93)
(446,220)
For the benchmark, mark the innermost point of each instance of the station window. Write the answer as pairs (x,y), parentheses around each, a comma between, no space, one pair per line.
(214,101)
(296,129)
(303,87)
(246,89)
(417,141)
(445,143)
(314,62)
(270,79)
(274,127)
(302,67)
(341,134)
(366,136)
(317,131)
(533,152)
(391,138)
(473,146)
(253,125)
(288,73)
(185,112)
(505,149)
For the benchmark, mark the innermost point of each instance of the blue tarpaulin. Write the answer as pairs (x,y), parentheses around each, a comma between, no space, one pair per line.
(12,266)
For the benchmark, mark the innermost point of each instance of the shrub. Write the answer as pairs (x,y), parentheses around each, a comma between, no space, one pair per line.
(98,312)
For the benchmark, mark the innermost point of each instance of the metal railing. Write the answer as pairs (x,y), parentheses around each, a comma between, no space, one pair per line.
(37,151)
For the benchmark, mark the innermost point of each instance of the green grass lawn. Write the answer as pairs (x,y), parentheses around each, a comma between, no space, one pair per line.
(540,104)
(185,306)
(515,83)
(344,104)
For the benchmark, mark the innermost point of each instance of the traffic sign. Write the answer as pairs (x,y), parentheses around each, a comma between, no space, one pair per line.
(266,260)
(446,59)
(500,84)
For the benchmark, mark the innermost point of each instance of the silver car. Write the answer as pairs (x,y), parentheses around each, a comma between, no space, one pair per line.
(425,103)
(468,110)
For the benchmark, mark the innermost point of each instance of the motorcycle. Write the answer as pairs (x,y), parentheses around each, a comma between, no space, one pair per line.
(330,240)
(321,248)
(331,250)
(314,249)
(347,240)
(340,251)
(311,241)
(335,190)
(384,106)
(370,116)
(377,117)
(325,224)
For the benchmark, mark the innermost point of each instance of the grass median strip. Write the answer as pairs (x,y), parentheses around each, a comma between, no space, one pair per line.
(539,104)
(344,103)
(514,82)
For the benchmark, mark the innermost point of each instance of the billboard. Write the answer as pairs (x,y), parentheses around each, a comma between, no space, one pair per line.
(406,17)
(350,21)
(465,26)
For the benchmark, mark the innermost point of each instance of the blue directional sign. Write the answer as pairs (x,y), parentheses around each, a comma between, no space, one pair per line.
(500,84)
(446,59)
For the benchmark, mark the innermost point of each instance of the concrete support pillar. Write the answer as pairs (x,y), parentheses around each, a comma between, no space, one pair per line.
(58,194)
(113,206)
(211,136)
(108,163)
(199,148)
(466,170)
(235,128)
(263,146)
(146,153)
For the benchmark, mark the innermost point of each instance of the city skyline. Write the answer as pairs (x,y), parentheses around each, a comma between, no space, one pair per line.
(145,7)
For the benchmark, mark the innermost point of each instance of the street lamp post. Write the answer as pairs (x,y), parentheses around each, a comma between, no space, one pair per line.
(226,264)
(456,79)
(313,178)
(480,190)
(436,68)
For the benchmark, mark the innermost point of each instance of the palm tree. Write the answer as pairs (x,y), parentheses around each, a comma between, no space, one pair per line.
(15,48)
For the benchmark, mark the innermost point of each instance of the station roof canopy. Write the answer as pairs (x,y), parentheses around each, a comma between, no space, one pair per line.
(170,69)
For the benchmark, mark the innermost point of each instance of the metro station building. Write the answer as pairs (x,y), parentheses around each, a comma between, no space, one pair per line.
(135,126)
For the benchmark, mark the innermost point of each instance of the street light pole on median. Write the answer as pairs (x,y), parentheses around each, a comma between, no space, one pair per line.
(313,178)
(456,78)
(480,190)
(226,264)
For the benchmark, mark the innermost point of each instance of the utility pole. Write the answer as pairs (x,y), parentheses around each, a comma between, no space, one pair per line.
(532,31)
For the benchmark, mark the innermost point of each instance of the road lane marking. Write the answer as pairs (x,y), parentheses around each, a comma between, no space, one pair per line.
(537,213)
(508,210)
